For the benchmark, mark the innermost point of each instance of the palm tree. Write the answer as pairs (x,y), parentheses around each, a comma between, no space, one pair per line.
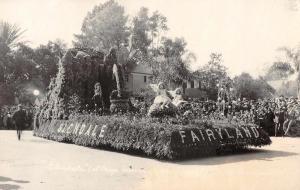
(293,56)
(10,35)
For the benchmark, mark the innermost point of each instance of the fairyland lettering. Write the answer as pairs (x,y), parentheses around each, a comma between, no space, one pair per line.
(213,134)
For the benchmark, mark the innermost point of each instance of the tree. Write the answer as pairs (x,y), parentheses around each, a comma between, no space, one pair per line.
(104,27)
(23,69)
(21,75)
(146,31)
(10,35)
(212,74)
(140,39)
(58,47)
(47,57)
(287,89)
(279,70)
(293,57)
(9,38)
(26,74)
(26,69)
(173,66)
(252,89)
(157,25)
(148,46)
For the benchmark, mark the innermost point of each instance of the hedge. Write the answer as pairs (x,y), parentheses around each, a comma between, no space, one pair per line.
(151,137)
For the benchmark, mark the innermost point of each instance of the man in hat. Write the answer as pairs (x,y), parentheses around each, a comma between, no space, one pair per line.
(19,119)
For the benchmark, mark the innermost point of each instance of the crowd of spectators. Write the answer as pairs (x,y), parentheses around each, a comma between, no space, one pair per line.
(6,117)
(275,115)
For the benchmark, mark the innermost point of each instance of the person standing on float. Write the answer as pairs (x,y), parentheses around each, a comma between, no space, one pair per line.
(19,119)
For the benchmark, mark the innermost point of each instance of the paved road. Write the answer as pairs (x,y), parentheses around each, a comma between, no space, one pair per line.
(35,163)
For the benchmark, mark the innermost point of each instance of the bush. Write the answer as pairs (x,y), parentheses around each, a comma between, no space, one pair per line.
(153,137)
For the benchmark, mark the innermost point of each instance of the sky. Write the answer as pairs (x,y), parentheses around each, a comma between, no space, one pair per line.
(246,32)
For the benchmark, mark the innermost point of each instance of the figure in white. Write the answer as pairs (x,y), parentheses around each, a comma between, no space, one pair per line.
(162,103)
(178,98)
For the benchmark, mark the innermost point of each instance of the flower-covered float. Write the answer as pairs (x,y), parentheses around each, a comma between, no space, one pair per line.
(87,105)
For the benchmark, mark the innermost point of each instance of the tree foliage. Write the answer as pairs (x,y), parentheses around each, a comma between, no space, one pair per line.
(10,35)
(104,27)
(23,69)
(212,73)
(279,70)
(47,57)
(293,59)
(292,55)
(158,25)
(288,89)
(140,39)
(147,31)
(252,89)
(172,65)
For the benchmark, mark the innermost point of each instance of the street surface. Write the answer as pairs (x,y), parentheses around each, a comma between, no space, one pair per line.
(35,163)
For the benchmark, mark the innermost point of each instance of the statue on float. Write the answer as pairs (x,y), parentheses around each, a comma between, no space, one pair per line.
(98,99)
(162,104)
(178,98)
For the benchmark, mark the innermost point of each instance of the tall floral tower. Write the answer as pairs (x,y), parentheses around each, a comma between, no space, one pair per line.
(72,90)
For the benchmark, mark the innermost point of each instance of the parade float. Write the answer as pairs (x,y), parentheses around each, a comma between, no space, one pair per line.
(87,105)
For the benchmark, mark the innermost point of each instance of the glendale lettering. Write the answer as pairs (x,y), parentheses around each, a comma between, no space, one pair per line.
(82,129)
(70,128)
(101,135)
(77,127)
(83,126)
(94,131)
(60,128)
(87,133)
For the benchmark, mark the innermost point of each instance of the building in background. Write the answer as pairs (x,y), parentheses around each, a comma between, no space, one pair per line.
(195,88)
(138,78)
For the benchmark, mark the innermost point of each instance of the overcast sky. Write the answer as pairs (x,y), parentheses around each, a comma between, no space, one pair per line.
(246,32)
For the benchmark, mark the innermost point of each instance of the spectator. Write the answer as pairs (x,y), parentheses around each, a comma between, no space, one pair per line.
(19,119)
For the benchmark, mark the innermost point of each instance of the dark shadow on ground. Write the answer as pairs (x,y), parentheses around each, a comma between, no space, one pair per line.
(241,156)
(5,179)
(9,187)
